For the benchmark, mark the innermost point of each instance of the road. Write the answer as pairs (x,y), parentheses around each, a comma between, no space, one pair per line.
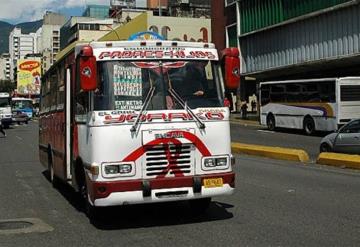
(276,203)
(259,135)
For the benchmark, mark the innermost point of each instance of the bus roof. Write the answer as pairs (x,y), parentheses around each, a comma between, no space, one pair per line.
(311,80)
(151,43)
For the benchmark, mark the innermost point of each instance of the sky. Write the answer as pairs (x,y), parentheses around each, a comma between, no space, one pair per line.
(17,11)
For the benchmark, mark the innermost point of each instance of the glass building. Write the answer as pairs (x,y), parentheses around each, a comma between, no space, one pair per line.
(97,11)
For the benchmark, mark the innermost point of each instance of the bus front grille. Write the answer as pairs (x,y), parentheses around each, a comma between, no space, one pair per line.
(165,160)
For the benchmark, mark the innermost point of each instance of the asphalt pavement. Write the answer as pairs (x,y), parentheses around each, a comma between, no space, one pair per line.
(249,131)
(276,203)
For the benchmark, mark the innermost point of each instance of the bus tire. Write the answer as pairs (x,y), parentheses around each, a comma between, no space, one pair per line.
(309,125)
(90,210)
(53,179)
(270,122)
(325,148)
(199,206)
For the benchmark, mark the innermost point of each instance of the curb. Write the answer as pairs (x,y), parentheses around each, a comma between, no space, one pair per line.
(271,152)
(339,160)
(245,122)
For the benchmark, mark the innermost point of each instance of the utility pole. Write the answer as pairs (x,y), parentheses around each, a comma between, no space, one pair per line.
(159,7)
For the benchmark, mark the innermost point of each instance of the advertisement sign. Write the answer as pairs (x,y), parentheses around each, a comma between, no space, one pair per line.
(28,76)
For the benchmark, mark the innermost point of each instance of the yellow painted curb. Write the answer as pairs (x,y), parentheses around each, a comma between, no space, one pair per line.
(339,160)
(271,152)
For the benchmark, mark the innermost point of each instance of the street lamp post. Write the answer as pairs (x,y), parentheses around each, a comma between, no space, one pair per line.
(159,7)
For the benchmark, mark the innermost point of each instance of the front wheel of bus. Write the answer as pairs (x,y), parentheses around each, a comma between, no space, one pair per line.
(309,126)
(90,210)
(53,179)
(270,122)
(199,206)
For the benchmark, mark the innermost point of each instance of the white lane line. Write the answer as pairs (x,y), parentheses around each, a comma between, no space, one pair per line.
(19,138)
(266,131)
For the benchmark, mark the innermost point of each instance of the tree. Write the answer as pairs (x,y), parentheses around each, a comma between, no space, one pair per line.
(7,86)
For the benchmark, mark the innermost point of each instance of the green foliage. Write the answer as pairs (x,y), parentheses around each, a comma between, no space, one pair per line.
(7,86)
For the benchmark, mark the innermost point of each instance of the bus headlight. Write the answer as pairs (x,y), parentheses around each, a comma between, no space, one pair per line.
(215,163)
(111,170)
(209,162)
(125,168)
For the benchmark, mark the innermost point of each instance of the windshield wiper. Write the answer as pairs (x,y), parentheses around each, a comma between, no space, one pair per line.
(185,106)
(144,107)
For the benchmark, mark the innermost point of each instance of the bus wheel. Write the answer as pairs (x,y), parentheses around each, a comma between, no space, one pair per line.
(324,147)
(199,206)
(53,179)
(309,126)
(90,210)
(270,122)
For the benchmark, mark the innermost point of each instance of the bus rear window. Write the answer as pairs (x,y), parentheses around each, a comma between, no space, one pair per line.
(350,92)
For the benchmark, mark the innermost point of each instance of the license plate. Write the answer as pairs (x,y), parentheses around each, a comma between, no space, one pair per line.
(213,182)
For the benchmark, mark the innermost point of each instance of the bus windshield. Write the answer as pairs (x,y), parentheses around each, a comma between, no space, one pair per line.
(21,104)
(124,85)
(4,102)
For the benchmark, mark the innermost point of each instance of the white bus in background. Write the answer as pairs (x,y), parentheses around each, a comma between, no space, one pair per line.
(311,104)
(5,109)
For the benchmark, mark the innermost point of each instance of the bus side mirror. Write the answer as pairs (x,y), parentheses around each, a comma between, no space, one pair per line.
(87,69)
(231,62)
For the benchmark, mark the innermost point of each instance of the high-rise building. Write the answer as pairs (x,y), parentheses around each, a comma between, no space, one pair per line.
(48,38)
(20,45)
(5,66)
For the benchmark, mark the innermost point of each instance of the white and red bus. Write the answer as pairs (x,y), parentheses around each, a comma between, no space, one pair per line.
(131,122)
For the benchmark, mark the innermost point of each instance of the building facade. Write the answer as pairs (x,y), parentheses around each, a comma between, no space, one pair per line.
(97,11)
(287,39)
(84,29)
(5,66)
(48,38)
(171,28)
(190,8)
(19,46)
(175,8)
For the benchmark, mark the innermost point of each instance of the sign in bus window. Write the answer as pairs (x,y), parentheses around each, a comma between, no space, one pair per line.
(127,86)
(127,81)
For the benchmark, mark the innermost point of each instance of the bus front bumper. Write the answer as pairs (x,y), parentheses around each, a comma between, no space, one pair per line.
(103,194)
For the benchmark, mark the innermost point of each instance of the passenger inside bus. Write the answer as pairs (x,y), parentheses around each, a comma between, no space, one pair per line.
(188,81)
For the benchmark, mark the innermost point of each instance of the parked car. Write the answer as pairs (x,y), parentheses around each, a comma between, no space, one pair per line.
(345,140)
(20,117)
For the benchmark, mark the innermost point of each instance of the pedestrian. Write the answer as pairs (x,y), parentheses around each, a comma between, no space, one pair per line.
(253,105)
(244,110)
(2,129)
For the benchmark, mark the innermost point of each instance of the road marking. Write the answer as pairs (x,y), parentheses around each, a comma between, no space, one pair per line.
(266,131)
(19,138)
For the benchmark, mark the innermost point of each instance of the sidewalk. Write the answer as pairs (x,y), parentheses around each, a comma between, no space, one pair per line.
(252,119)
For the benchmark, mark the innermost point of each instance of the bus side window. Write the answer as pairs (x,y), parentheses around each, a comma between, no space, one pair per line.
(277,93)
(265,94)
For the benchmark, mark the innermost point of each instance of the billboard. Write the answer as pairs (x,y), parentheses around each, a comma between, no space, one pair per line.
(28,76)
